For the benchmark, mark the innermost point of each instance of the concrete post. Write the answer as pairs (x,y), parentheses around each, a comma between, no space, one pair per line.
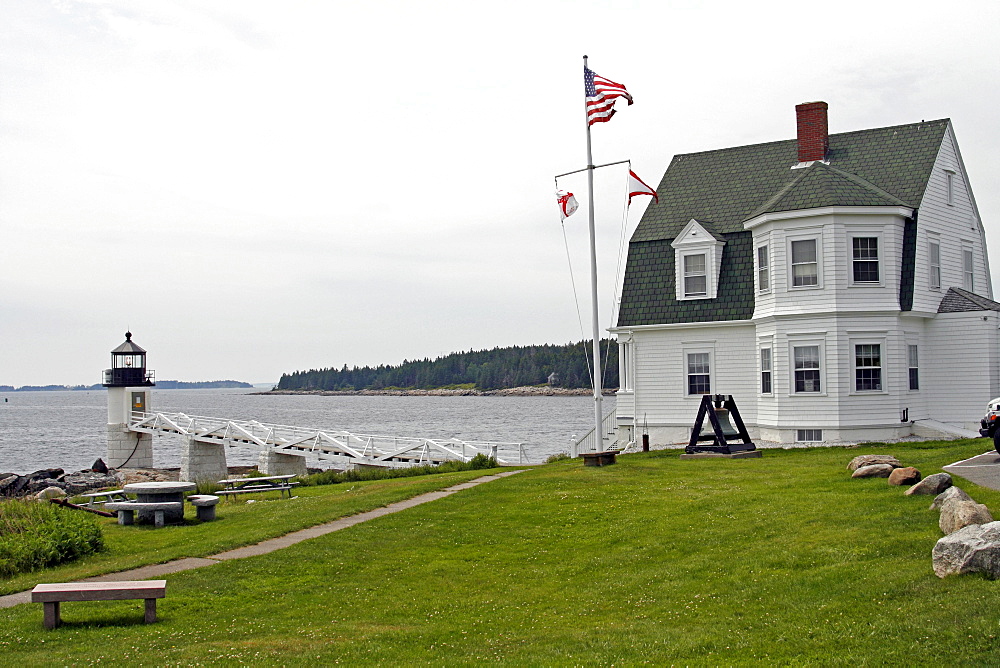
(278,463)
(203,461)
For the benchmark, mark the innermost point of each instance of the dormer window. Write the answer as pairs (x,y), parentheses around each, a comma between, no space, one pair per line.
(695,276)
(698,260)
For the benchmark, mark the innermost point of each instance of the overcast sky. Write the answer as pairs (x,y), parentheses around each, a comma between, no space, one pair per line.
(259,187)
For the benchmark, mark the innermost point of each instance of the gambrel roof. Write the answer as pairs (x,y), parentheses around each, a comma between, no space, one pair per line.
(879,167)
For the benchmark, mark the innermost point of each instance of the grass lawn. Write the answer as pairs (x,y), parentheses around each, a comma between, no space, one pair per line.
(780,560)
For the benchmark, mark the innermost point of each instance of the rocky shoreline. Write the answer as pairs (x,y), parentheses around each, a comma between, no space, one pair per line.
(51,483)
(442,392)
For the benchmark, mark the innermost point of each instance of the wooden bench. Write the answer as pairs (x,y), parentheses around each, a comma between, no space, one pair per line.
(51,595)
(126,510)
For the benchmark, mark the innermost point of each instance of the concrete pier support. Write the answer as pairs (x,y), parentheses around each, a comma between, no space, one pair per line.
(203,461)
(128,449)
(277,463)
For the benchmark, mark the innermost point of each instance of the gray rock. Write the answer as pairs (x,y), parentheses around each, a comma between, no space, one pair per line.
(8,484)
(950,494)
(51,493)
(932,484)
(78,483)
(867,460)
(35,486)
(972,549)
(957,514)
(874,471)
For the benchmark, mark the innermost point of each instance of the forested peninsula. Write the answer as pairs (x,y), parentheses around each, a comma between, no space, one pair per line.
(160,384)
(557,366)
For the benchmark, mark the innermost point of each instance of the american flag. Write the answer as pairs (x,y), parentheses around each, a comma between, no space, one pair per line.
(601,94)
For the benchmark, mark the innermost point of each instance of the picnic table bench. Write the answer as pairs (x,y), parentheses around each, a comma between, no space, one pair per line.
(51,595)
(97,498)
(161,510)
(281,483)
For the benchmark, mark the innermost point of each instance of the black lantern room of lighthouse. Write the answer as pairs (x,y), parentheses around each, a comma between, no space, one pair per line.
(128,366)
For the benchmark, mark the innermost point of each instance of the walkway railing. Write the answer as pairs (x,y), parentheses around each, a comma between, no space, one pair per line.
(589,443)
(386,451)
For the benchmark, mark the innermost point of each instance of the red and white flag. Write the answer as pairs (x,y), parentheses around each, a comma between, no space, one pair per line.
(601,94)
(636,186)
(567,204)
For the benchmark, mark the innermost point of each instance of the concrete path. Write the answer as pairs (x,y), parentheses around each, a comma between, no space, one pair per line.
(267,546)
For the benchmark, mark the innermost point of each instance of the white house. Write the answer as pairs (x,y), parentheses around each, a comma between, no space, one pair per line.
(836,285)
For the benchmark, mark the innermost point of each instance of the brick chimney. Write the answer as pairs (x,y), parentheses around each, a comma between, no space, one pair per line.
(814,138)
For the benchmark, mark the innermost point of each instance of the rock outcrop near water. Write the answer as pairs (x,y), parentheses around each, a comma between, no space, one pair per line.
(13,485)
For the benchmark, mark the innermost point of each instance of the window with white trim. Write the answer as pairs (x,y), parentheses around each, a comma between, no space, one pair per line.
(763,269)
(950,187)
(699,376)
(868,367)
(765,371)
(697,262)
(624,365)
(913,363)
(935,263)
(695,275)
(805,265)
(865,262)
(968,271)
(806,368)
(809,435)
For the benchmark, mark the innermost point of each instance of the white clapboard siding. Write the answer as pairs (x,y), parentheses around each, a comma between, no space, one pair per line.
(953,225)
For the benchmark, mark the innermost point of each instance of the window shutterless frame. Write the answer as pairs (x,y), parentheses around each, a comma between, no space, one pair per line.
(804,263)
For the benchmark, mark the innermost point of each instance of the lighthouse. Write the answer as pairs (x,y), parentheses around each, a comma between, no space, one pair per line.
(128,384)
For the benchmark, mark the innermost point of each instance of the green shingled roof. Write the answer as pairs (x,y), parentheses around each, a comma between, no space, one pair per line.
(727,186)
(879,167)
(820,185)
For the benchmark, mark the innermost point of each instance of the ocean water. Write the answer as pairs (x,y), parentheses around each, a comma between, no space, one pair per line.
(68,429)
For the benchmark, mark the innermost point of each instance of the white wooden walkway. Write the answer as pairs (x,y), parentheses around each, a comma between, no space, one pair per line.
(383,451)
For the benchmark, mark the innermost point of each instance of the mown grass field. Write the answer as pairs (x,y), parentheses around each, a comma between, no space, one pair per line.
(783,560)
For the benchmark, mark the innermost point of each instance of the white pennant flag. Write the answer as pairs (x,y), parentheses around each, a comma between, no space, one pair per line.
(567,204)
(637,187)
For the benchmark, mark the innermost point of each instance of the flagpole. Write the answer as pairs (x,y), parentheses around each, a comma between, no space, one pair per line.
(598,413)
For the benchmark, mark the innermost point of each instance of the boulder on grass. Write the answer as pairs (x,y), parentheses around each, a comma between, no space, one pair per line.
(867,460)
(956,515)
(951,494)
(906,475)
(51,493)
(874,471)
(972,549)
(932,484)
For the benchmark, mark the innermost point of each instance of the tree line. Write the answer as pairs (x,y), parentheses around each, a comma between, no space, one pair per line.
(564,366)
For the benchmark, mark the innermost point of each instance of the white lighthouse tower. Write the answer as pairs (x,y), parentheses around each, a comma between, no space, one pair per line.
(128,384)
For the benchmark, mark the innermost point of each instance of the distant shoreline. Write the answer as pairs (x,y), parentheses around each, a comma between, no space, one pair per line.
(505,392)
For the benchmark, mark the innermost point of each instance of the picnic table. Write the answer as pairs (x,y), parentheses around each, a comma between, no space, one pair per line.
(280,483)
(97,498)
(155,497)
